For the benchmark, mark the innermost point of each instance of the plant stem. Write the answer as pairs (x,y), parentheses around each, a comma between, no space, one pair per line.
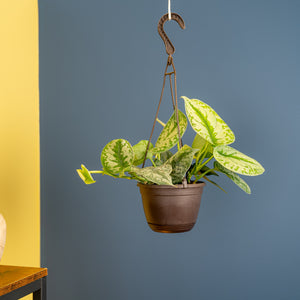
(96,171)
(203,164)
(203,174)
(195,165)
(195,181)
(198,156)
(152,162)
(203,154)
(127,177)
(160,122)
(188,177)
(214,184)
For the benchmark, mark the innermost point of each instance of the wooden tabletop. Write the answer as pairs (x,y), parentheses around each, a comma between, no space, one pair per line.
(12,278)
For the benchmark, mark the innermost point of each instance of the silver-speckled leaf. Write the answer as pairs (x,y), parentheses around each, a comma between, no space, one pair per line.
(237,162)
(241,183)
(140,150)
(165,156)
(85,175)
(117,156)
(180,162)
(168,138)
(207,123)
(162,158)
(158,175)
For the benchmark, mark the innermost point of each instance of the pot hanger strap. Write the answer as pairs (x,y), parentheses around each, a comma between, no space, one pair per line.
(170,49)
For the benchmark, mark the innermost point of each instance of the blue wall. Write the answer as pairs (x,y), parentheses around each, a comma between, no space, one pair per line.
(101,65)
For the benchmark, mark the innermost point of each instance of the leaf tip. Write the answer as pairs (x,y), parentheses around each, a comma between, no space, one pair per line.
(184,98)
(85,175)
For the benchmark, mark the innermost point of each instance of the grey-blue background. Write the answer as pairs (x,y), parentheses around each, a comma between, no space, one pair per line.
(101,65)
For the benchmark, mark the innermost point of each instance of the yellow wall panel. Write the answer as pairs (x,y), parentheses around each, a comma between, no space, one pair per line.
(19,131)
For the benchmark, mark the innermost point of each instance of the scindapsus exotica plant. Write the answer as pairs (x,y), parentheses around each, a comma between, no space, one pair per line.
(213,136)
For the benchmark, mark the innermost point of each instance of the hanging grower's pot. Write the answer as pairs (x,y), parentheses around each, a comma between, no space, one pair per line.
(171,209)
(172,186)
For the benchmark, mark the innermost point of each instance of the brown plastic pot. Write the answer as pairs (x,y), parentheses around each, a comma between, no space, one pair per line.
(171,209)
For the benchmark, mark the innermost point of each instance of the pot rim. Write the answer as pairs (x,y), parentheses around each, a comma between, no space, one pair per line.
(175,187)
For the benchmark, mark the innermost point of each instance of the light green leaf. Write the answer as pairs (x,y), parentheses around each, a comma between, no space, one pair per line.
(117,156)
(181,162)
(237,162)
(234,177)
(199,143)
(85,175)
(140,150)
(158,175)
(207,123)
(168,138)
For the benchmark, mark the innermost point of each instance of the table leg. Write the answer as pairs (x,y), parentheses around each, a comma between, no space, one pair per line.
(41,294)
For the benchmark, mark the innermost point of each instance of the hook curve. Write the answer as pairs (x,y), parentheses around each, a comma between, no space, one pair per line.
(170,49)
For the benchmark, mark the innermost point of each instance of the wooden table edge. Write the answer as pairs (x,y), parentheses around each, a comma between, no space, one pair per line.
(43,272)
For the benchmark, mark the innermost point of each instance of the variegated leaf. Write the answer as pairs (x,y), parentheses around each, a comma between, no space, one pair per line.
(162,158)
(85,175)
(234,177)
(199,143)
(158,175)
(180,162)
(237,162)
(117,156)
(140,150)
(207,123)
(165,156)
(168,138)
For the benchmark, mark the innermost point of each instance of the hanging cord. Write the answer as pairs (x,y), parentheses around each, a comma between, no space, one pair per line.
(170,49)
(156,115)
(174,102)
(171,88)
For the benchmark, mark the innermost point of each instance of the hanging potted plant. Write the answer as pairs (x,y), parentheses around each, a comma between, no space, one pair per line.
(171,187)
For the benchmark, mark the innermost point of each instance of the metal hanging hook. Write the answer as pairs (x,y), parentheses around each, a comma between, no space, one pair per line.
(170,49)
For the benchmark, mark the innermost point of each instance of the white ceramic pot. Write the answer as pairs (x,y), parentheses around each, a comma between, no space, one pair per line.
(2,235)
